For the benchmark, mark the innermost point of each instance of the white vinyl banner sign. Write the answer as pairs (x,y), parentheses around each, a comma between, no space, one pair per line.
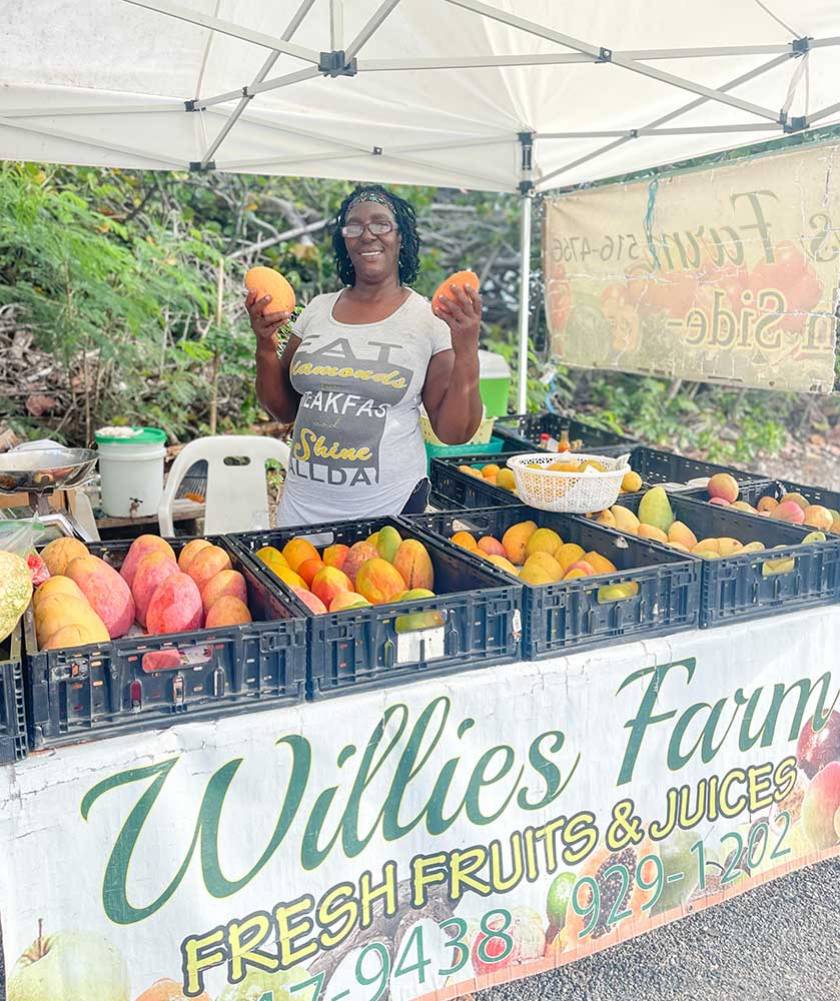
(727,274)
(427,841)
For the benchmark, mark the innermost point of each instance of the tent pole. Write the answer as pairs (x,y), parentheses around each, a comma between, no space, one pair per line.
(526,190)
(524,303)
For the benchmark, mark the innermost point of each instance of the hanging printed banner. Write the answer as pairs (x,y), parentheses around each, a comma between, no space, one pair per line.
(728,274)
(427,842)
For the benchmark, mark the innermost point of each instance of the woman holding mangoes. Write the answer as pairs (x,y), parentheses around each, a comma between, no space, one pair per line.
(358,365)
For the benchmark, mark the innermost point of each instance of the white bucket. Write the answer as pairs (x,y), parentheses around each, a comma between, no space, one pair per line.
(131,470)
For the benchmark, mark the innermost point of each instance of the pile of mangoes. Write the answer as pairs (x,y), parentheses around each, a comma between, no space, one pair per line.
(85,600)
(378,570)
(539,556)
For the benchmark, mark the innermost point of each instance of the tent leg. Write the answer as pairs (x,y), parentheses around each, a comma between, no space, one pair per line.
(524,299)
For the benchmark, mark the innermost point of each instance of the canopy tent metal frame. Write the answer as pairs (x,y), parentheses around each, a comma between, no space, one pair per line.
(344,59)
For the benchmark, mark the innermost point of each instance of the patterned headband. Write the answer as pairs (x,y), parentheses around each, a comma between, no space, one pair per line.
(372,196)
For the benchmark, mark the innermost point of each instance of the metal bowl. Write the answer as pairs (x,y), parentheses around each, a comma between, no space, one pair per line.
(42,470)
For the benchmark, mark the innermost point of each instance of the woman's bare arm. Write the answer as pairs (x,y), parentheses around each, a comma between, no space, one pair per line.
(450,393)
(274,386)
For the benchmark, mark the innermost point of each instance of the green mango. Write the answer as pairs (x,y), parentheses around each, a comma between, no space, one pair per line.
(388,542)
(655,509)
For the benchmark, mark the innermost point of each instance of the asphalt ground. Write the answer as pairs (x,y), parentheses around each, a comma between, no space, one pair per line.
(778,942)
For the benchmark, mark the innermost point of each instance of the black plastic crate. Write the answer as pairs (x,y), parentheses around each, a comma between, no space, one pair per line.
(753,492)
(742,587)
(457,489)
(525,429)
(13,743)
(558,618)
(475,616)
(145,682)
(658,467)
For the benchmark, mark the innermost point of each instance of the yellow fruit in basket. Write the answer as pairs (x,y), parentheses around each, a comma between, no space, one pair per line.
(470,471)
(288,576)
(625,520)
(568,554)
(544,540)
(502,563)
(817,516)
(563,467)
(680,532)
(63,610)
(580,569)
(491,470)
(546,564)
(618,592)
(505,479)
(728,547)
(707,545)
(599,563)
(59,553)
(536,576)
(752,547)
(652,532)
(76,634)
(491,546)
(516,539)
(272,558)
(784,565)
(465,540)
(56,585)
(606,518)
(631,482)
(595,464)
(297,551)
(679,546)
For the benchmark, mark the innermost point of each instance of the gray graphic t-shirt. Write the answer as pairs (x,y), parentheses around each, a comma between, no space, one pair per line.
(357,449)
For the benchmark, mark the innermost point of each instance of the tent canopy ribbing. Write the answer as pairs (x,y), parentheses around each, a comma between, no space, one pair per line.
(439,92)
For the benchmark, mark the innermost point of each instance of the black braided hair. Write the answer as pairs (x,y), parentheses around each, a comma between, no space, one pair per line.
(406,219)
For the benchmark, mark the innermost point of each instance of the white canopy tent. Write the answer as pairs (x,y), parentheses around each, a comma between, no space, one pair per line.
(520,95)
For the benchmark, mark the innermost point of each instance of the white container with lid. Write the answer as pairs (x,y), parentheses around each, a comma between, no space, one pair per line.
(131,470)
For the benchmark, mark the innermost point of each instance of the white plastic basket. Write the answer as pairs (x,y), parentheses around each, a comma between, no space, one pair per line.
(481,437)
(573,493)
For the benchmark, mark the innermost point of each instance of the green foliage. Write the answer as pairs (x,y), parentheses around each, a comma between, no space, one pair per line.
(115,274)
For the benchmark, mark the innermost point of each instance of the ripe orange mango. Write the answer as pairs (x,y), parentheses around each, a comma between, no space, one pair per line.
(515,540)
(379,581)
(414,565)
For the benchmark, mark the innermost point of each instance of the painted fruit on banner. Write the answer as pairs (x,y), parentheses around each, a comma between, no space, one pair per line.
(728,275)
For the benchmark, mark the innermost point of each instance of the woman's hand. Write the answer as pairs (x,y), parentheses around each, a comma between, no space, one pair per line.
(460,309)
(265,325)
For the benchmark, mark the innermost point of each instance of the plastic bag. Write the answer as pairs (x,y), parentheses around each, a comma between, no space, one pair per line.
(19,536)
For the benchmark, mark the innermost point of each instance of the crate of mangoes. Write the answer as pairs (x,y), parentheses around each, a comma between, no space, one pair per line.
(779,500)
(752,566)
(475,480)
(386,604)
(132,635)
(582,586)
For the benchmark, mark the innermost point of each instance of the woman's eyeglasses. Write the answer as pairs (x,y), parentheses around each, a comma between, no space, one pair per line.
(354,230)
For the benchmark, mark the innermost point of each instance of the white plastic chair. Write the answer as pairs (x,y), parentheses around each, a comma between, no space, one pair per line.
(236,498)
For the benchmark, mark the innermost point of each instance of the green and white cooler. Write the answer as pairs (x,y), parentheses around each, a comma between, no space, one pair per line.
(493,383)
